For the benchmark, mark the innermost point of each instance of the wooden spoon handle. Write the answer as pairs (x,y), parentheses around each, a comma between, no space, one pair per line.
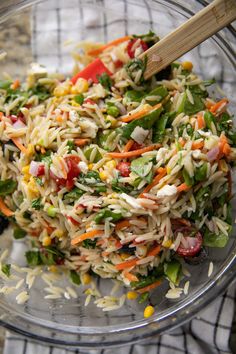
(187,36)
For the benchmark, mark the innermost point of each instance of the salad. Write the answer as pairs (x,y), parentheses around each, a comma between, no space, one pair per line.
(106,174)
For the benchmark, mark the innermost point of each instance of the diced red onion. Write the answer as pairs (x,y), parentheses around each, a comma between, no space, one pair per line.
(213,154)
(34,168)
(18,124)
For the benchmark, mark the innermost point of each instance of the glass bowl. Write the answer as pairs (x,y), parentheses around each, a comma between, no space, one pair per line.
(36,31)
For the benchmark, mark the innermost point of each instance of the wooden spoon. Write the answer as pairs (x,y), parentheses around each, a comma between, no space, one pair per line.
(187,36)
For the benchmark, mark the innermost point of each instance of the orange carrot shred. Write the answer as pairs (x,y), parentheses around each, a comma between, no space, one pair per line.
(127,264)
(4,209)
(154,251)
(128,145)
(20,146)
(122,224)
(139,114)
(81,142)
(161,173)
(183,187)
(85,236)
(197,145)
(97,51)
(130,276)
(121,155)
(200,121)
(149,287)
(219,105)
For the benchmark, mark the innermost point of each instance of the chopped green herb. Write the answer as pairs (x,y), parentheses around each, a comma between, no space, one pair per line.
(79,99)
(142,166)
(89,243)
(39,181)
(36,204)
(33,258)
(105,80)
(107,213)
(74,194)
(143,297)
(18,233)
(5,84)
(187,179)
(7,186)
(213,240)
(201,172)
(74,276)
(6,269)
(71,145)
(172,270)
(88,151)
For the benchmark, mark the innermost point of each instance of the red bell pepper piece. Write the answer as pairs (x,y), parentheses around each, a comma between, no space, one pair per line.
(92,71)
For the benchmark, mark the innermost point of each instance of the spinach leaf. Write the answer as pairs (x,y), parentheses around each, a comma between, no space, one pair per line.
(160,91)
(33,258)
(41,91)
(6,269)
(145,122)
(212,240)
(107,213)
(172,270)
(209,118)
(105,80)
(120,187)
(188,108)
(209,82)
(187,179)
(201,172)
(75,278)
(196,90)
(103,137)
(134,96)
(71,145)
(51,255)
(44,157)
(134,65)
(18,233)
(89,243)
(88,151)
(79,98)
(5,84)
(36,204)
(160,127)
(150,38)
(153,275)
(7,186)
(74,194)
(141,166)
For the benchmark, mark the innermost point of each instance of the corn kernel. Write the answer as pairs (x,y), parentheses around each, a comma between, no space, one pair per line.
(167,243)
(58,233)
(30,149)
(32,188)
(103,175)
(168,170)
(81,85)
(112,120)
(46,241)
(111,164)
(52,269)
(73,90)
(86,279)
(75,104)
(90,166)
(131,295)
(187,65)
(124,256)
(61,90)
(148,311)
(25,169)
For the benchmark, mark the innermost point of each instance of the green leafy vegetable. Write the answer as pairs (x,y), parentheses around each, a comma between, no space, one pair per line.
(201,172)
(120,187)
(105,80)
(33,258)
(188,108)
(39,181)
(134,96)
(159,128)
(172,270)
(36,204)
(145,122)
(150,37)
(44,157)
(159,91)
(142,166)
(41,91)
(89,243)
(74,194)
(212,240)
(7,186)
(105,140)
(88,151)
(6,269)
(209,118)
(187,179)
(71,146)
(5,84)
(107,213)
(134,65)
(18,233)
(79,99)
(153,275)
(74,276)
(209,82)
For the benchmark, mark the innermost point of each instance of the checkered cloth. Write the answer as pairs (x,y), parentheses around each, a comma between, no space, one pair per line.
(210,331)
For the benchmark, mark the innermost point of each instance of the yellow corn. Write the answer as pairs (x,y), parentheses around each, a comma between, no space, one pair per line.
(75,104)
(73,90)
(168,170)
(90,166)
(52,269)
(58,233)
(46,241)
(187,65)
(33,190)
(81,85)
(111,164)
(25,169)
(124,256)
(112,120)
(167,243)
(103,175)
(61,90)
(131,295)
(30,149)
(87,279)
(148,311)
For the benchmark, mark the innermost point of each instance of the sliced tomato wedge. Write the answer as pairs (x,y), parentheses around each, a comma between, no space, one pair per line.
(130,50)
(124,168)
(191,246)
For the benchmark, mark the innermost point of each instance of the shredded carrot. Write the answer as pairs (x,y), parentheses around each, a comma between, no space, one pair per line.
(15,84)
(4,209)
(127,264)
(130,276)
(85,236)
(122,224)
(200,121)
(161,173)
(184,221)
(81,142)
(121,155)
(183,187)
(197,145)
(224,146)
(1,115)
(59,119)
(154,251)
(182,142)
(95,52)
(219,105)
(43,151)
(139,114)
(149,287)
(20,146)
(128,145)
(226,149)
(105,253)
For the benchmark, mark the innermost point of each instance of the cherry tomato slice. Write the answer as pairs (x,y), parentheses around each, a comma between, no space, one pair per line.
(124,168)
(73,168)
(88,100)
(136,146)
(130,50)
(41,170)
(193,247)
